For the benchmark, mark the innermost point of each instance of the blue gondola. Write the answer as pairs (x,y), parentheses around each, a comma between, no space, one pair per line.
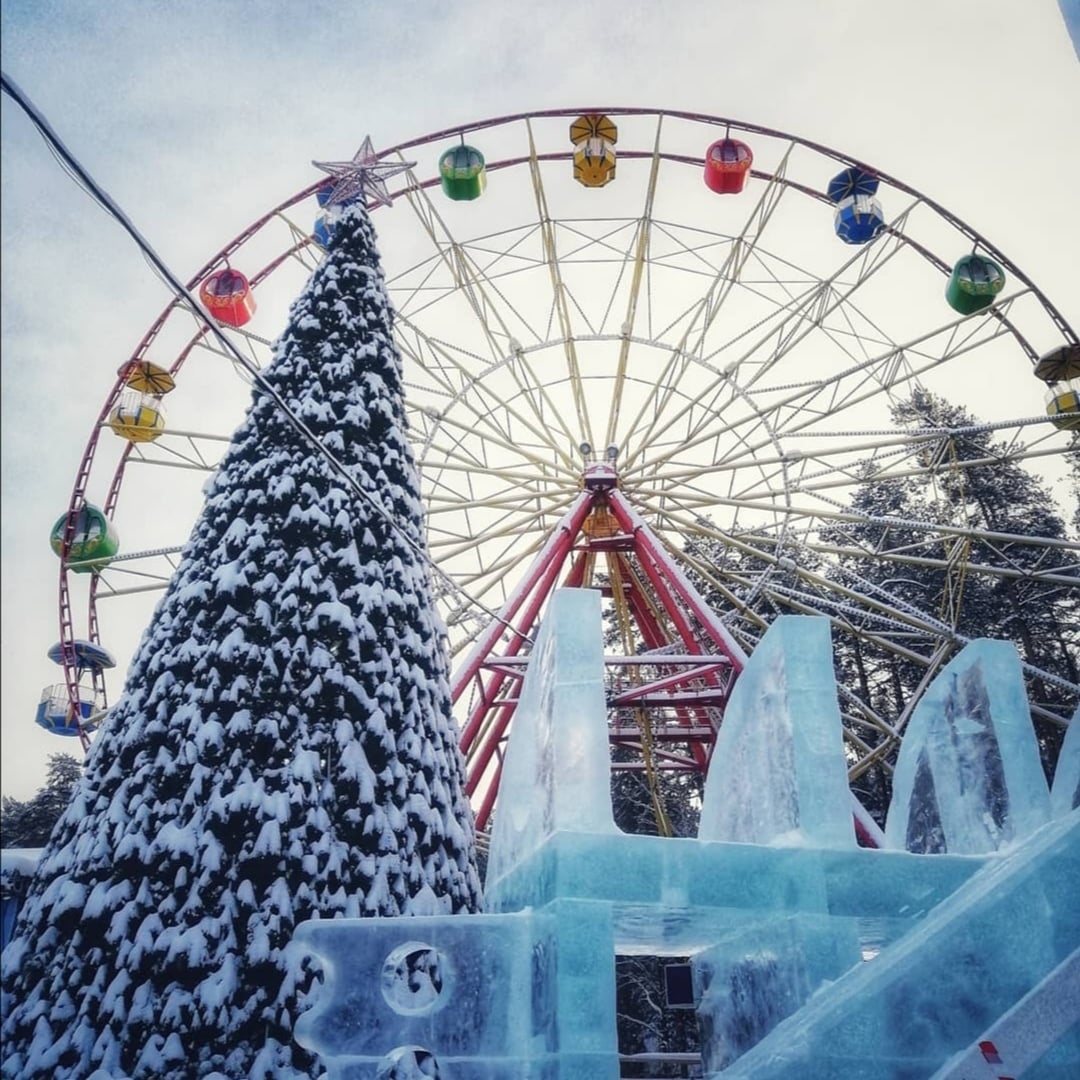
(54,711)
(851,182)
(322,232)
(858,219)
(84,655)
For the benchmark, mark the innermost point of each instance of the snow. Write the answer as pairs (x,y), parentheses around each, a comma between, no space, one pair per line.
(18,861)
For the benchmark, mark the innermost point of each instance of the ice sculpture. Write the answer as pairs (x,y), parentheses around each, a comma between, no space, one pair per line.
(778,772)
(968,778)
(1065,794)
(931,994)
(558,737)
(778,932)
(462,990)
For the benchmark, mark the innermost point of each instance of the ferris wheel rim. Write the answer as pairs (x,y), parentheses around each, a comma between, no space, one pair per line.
(305,243)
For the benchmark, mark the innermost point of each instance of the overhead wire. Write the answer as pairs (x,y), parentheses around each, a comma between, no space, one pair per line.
(75,170)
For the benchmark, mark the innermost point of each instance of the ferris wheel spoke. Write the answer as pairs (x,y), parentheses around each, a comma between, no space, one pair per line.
(449,498)
(490,412)
(719,388)
(844,459)
(181,449)
(637,276)
(930,552)
(794,512)
(839,471)
(462,441)
(489,583)
(795,320)
(881,374)
(449,544)
(698,318)
(558,290)
(873,614)
(462,272)
(791,324)
(119,579)
(302,248)
(939,646)
(457,381)
(492,318)
(921,554)
(794,413)
(515,503)
(445,481)
(745,250)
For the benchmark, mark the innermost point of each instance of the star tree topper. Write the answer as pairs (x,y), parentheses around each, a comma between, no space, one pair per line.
(362,178)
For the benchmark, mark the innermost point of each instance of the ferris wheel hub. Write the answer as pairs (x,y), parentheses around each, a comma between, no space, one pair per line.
(601,476)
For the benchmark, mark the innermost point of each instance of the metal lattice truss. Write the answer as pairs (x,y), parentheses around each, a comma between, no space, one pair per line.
(734,357)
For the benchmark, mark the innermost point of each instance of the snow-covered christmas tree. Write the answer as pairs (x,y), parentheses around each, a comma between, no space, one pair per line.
(284,748)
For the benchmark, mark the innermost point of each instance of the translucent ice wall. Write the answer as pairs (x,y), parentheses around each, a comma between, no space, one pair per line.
(968,778)
(464,997)
(947,981)
(777,773)
(1065,794)
(557,773)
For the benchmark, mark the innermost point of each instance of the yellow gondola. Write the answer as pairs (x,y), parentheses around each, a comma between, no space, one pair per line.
(1063,404)
(137,417)
(146,377)
(594,137)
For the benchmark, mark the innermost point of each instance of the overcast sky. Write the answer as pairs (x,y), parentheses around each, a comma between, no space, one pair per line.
(197,117)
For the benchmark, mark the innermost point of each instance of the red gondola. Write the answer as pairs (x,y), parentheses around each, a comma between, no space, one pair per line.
(228,297)
(727,165)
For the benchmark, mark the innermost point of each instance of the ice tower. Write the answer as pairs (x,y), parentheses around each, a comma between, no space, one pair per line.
(811,956)
(968,778)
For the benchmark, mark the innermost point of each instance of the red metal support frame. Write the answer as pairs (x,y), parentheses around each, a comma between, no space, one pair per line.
(659,597)
(634,524)
(557,546)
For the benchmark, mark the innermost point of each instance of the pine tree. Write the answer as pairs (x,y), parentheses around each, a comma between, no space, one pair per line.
(28,824)
(969,479)
(1072,458)
(283,749)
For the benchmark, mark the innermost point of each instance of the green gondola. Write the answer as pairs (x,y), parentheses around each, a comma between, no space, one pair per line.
(973,284)
(94,540)
(462,171)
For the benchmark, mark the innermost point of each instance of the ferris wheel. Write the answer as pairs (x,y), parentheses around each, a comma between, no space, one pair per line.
(711,316)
